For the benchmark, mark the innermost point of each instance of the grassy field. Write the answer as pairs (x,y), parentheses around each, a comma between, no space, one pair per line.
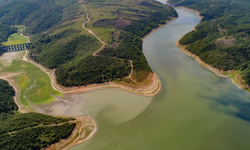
(17,38)
(34,84)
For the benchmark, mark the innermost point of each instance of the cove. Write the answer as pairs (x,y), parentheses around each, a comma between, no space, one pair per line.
(195,109)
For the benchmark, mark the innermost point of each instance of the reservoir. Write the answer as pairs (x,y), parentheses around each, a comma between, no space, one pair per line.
(195,109)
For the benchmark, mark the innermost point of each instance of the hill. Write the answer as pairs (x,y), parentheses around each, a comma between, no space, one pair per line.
(222,37)
(63,44)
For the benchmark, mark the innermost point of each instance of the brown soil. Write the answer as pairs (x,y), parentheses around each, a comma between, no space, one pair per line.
(85,129)
(85,125)
(224,42)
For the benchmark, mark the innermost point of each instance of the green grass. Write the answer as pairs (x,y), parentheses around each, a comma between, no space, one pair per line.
(232,74)
(34,84)
(16,38)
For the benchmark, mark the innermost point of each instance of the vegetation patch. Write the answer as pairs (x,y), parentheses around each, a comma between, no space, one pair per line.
(93,69)
(222,38)
(224,42)
(112,23)
(61,43)
(30,130)
(6,31)
(56,50)
(34,84)
(130,48)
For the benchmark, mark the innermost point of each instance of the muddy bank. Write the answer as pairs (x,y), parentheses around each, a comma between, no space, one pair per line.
(85,125)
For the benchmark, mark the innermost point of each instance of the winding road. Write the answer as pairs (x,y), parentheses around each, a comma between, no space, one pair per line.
(104,44)
(91,32)
(147,90)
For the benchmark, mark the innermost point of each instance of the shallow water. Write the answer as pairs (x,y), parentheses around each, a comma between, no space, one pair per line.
(194,110)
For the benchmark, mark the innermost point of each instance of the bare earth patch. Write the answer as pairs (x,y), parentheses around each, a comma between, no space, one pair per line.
(225,42)
(85,125)
(113,23)
(7,58)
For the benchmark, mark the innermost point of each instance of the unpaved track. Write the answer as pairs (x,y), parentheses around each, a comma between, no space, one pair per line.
(95,53)
(152,88)
(91,32)
(132,69)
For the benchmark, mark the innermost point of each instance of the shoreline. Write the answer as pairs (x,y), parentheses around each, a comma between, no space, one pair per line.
(237,80)
(152,88)
(8,77)
(84,124)
(197,13)
(85,129)
(161,25)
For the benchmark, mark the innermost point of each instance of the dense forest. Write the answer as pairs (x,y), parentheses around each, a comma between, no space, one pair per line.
(222,37)
(129,49)
(7,103)
(37,15)
(30,130)
(145,25)
(5,32)
(93,69)
(50,52)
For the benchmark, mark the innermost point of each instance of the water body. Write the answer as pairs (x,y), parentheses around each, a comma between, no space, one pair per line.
(195,109)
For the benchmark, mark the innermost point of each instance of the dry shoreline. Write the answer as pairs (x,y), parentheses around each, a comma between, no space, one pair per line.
(159,27)
(151,89)
(237,80)
(85,128)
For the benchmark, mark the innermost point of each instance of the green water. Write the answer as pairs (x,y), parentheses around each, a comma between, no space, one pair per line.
(195,109)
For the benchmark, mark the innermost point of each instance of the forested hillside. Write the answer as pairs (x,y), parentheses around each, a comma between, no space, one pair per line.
(222,38)
(5,32)
(30,130)
(60,42)
(37,15)
(69,48)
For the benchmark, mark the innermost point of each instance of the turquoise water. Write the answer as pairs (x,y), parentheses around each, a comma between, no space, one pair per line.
(195,109)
